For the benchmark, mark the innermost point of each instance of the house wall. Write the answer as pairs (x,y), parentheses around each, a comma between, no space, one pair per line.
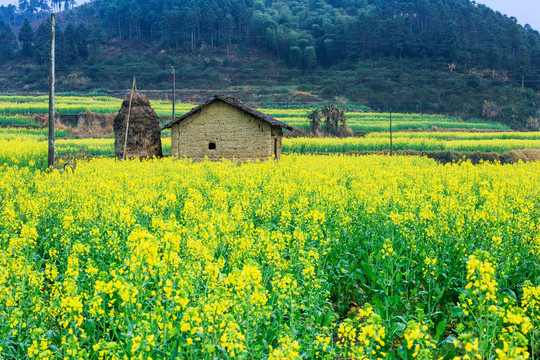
(235,134)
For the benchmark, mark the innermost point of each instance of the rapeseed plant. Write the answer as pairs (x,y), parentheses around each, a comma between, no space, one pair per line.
(311,257)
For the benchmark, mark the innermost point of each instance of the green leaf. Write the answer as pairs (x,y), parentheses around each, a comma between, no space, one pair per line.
(174,355)
(450,355)
(510,293)
(441,326)
(330,318)
(457,311)
(399,328)
(358,275)
(450,339)
(367,270)
(378,303)
(439,297)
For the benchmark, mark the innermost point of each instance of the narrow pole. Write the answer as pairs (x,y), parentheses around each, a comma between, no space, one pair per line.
(391,147)
(173,93)
(127,120)
(51,95)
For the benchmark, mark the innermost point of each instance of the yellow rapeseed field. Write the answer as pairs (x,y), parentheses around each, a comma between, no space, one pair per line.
(314,257)
(22,146)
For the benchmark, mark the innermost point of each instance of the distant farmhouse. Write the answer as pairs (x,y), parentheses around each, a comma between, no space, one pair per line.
(225,127)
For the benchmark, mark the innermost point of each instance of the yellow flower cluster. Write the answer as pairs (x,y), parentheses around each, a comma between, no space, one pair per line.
(363,337)
(501,328)
(481,277)
(514,335)
(288,349)
(387,249)
(429,266)
(23,153)
(39,350)
(531,298)
(419,340)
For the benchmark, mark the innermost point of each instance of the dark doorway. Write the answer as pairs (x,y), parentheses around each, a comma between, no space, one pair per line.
(212,146)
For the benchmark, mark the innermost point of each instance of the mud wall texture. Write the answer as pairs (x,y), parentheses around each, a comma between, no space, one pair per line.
(222,131)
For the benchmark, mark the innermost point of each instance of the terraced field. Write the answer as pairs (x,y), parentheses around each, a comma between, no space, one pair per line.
(419,141)
(23,106)
(379,122)
(18,110)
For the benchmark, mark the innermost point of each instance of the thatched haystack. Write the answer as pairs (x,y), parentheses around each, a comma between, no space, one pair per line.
(144,134)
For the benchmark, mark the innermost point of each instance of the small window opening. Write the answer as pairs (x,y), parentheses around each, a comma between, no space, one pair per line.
(212,146)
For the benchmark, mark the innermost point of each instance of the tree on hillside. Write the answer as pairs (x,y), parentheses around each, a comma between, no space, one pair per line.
(33,7)
(41,43)
(309,57)
(56,5)
(95,39)
(8,14)
(295,55)
(69,4)
(24,5)
(8,43)
(228,25)
(81,41)
(26,38)
(66,50)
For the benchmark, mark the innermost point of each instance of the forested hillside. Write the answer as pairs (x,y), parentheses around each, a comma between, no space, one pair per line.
(419,55)
(305,34)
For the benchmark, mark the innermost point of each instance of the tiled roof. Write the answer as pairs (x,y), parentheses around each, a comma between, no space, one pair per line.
(236,103)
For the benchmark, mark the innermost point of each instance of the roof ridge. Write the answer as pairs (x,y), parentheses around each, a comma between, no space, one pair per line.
(231,100)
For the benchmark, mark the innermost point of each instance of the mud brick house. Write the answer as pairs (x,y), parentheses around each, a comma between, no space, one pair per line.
(226,128)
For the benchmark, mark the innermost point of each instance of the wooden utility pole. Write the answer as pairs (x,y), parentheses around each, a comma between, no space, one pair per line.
(391,147)
(133,87)
(51,95)
(173,92)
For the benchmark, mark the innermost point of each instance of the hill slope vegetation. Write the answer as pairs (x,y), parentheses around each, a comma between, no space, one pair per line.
(406,55)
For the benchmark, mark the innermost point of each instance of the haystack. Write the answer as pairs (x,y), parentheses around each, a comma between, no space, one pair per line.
(144,134)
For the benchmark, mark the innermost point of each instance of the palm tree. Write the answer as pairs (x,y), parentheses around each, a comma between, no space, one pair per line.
(314,118)
(335,120)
